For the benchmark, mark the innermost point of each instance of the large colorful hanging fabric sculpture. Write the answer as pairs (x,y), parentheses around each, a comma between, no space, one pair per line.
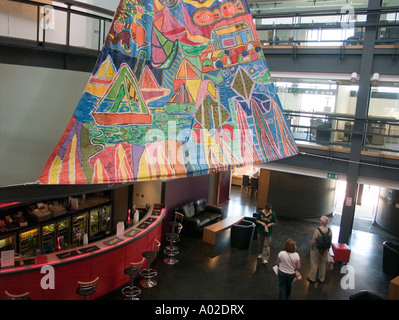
(180,88)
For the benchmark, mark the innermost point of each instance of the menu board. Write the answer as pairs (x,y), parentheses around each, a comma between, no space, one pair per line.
(113,241)
(132,233)
(77,252)
(146,223)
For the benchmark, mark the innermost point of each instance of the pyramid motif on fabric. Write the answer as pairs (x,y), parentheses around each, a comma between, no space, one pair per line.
(180,88)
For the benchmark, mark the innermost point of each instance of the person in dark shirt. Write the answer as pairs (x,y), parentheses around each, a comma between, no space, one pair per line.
(265,221)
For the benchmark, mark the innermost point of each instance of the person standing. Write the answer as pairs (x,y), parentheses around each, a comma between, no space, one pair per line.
(265,220)
(288,262)
(321,243)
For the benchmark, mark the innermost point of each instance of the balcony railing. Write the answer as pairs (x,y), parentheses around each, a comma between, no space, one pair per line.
(327,129)
(65,22)
(282,28)
(326,27)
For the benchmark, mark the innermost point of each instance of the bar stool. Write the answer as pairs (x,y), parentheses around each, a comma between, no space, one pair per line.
(11,296)
(131,291)
(171,251)
(176,223)
(148,274)
(87,288)
(178,220)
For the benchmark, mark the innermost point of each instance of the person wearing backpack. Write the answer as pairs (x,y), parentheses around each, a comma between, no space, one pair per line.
(321,243)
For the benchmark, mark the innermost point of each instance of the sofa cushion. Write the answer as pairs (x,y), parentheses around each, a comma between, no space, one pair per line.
(203,221)
(213,216)
(200,205)
(188,210)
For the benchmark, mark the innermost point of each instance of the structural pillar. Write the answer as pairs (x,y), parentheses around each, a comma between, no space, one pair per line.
(360,123)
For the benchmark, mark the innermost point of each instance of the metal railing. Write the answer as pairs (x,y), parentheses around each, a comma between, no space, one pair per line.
(329,129)
(70,8)
(388,31)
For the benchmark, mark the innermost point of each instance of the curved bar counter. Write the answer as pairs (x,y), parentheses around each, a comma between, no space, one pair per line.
(106,259)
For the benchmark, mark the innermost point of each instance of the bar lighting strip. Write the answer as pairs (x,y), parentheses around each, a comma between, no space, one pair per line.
(3,205)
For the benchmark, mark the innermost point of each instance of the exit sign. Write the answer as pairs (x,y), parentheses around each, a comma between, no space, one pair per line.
(332,175)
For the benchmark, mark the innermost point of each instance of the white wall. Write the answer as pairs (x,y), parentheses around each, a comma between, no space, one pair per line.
(36,105)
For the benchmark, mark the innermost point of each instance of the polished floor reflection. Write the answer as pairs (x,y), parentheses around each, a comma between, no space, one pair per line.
(206,272)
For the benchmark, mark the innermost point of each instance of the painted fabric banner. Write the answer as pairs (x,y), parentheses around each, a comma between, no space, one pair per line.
(180,88)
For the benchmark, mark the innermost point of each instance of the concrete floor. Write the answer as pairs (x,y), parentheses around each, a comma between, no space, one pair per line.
(206,272)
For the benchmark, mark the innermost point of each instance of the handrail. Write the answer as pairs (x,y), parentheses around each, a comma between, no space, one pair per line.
(101,19)
(323,12)
(86,6)
(339,116)
(71,3)
(384,125)
(295,26)
(319,25)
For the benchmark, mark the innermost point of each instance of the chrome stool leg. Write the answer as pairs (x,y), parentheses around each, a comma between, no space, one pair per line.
(148,273)
(171,251)
(131,291)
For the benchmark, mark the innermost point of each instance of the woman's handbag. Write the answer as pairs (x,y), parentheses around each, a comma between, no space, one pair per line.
(275,269)
(298,275)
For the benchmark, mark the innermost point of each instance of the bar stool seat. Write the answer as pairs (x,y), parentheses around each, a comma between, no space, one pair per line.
(149,254)
(131,291)
(148,274)
(85,289)
(11,296)
(171,251)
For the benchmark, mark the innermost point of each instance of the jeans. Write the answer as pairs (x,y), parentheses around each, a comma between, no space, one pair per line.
(284,284)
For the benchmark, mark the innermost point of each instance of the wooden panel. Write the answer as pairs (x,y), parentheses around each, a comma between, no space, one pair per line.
(263,188)
(210,232)
(224,187)
(393,291)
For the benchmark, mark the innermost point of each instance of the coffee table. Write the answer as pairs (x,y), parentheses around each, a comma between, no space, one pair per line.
(211,231)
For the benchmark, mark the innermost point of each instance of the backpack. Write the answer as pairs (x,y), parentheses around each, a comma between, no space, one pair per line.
(324,242)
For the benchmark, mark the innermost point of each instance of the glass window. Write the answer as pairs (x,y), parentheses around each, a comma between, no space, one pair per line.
(319,112)
(390,3)
(384,102)
(328,37)
(307,97)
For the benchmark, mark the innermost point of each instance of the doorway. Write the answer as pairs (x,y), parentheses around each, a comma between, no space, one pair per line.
(366,204)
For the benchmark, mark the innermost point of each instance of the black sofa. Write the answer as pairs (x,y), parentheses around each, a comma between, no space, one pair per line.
(199,214)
